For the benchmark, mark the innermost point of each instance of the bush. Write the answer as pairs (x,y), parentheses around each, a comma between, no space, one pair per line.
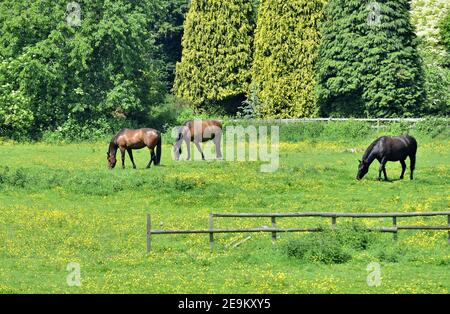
(14,178)
(330,246)
(317,248)
(432,126)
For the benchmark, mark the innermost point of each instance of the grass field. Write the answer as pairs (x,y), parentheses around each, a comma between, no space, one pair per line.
(59,204)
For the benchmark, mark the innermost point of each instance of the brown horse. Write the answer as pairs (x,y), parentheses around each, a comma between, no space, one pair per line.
(198,131)
(127,140)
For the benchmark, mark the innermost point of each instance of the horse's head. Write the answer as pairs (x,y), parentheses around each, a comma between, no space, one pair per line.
(363,168)
(111,160)
(176,151)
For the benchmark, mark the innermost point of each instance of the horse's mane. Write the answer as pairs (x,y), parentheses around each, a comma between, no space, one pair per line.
(370,148)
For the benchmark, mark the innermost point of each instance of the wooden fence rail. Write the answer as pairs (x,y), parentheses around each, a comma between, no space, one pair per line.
(274,230)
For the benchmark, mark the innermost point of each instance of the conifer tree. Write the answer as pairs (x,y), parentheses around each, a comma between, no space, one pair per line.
(368,61)
(217,51)
(286,45)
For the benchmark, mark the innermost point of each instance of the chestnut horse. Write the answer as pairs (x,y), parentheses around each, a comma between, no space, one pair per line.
(198,131)
(127,140)
(387,148)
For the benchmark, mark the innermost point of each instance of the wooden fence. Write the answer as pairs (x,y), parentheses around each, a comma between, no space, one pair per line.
(274,230)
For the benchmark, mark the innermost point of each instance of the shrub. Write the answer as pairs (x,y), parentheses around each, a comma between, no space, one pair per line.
(317,248)
(330,246)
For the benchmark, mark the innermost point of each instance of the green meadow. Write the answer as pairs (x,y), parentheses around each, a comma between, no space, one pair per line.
(60,204)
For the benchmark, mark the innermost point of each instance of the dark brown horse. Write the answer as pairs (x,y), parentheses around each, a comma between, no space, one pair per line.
(198,131)
(387,148)
(127,140)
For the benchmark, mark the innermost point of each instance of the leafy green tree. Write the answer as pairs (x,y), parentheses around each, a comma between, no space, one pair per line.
(426,16)
(444,31)
(286,45)
(368,61)
(107,71)
(217,51)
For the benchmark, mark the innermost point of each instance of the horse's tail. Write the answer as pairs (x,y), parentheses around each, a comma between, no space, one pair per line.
(158,150)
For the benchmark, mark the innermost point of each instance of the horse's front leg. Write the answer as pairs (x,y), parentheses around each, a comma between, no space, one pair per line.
(188,148)
(130,153)
(122,152)
(382,169)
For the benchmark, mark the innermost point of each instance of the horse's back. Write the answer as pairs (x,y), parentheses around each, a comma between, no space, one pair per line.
(206,129)
(398,147)
(137,138)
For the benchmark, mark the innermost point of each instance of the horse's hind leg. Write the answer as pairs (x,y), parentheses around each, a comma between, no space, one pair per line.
(412,166)
(218,142)
(130,153)
(152,158)
(188,148)
(403,169)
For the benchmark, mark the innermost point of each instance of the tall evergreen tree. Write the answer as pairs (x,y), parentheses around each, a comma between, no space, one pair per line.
(368,60)
(217,51)
(286,42)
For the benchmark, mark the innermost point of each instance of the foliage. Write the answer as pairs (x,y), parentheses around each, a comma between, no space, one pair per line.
(427,16)
(330,246)
(286,41)
(444,27)
(368,62)
(217,51)
(251,107)
(113,67)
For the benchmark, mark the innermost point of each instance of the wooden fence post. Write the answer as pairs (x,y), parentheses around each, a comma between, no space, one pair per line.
(448,219)
(333,222)
(211,234)
(394,223)
(149,233)
(274,226)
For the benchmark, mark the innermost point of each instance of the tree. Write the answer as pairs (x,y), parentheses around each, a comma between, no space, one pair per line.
(105,72)
(444,30)
(426,17)
(217,51)
(286,42)
(368,61)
